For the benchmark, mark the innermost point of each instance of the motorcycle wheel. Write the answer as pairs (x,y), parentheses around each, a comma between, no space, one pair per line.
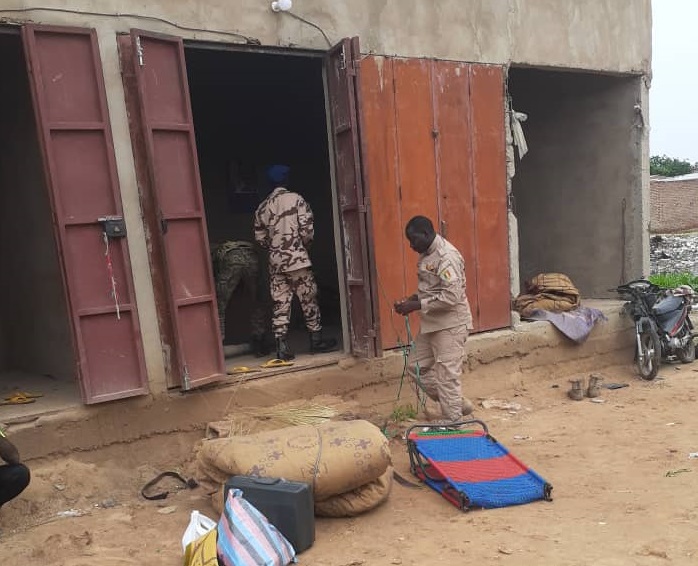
(687,354)
(648,363)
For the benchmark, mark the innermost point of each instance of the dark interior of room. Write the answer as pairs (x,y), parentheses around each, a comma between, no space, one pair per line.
(34,331)
(579,189)
(251,111)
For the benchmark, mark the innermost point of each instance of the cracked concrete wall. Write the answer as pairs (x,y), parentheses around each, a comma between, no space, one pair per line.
(610,35)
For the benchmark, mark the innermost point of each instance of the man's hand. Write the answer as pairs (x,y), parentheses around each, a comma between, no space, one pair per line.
(408,305)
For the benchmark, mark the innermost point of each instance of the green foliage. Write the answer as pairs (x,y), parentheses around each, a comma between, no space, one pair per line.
(673,280)
(403,413)
(671,167)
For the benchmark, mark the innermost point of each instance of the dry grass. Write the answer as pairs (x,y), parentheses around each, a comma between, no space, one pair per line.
(305,414)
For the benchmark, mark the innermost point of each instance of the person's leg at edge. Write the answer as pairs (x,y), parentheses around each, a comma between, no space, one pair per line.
(281,295)
(449,354)
(305,287)
(420,367)
(14,478)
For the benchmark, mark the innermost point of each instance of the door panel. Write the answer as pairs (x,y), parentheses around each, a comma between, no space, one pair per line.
(489,180)
(435,137)
(415,146)
(73,123)
(342,67)
(452,115)
(168,132)
(380,161)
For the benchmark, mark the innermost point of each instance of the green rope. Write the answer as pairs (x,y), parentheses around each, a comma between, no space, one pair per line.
(419,390)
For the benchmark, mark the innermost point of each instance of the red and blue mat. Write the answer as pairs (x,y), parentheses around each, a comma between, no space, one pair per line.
(471,469)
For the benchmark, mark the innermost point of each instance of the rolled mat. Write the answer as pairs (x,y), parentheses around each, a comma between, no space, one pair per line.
(334,457)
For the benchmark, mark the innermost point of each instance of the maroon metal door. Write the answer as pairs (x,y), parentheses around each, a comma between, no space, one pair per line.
(168,131)
(73,123)
(342,67)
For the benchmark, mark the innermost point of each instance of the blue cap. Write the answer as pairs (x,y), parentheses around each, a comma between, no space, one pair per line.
(278,173)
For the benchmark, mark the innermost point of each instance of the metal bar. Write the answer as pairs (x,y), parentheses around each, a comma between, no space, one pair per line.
(99,311)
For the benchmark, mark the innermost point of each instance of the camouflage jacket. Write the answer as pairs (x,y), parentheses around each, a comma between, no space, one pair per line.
(283,225)
(441,288)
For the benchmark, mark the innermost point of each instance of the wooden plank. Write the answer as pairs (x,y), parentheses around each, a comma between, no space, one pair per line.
(381,163)
(415,143)
(454,147)
(489,180)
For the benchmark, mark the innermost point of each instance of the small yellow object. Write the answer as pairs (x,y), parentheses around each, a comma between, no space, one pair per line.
(276,363)
(18,399)
(24,394)
(241,369)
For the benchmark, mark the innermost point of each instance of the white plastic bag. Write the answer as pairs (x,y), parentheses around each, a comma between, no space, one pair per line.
(198,526)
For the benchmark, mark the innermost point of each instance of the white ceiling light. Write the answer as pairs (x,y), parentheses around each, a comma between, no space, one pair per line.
(281,5)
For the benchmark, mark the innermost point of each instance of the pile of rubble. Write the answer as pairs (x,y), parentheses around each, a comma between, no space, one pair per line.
(674,253)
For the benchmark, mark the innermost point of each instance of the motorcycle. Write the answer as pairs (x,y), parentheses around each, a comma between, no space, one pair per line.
(663,329)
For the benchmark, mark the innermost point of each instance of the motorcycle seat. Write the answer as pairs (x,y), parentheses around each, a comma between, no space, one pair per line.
(667,305)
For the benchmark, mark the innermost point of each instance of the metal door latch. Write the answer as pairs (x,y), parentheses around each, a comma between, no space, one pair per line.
(113,226)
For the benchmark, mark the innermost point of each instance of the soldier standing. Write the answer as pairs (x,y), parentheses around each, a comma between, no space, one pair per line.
(283,225)
(439,352)
(237,263)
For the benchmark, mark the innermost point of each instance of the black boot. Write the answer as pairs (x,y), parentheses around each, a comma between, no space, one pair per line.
(320,346)
(282,350)
(260,348)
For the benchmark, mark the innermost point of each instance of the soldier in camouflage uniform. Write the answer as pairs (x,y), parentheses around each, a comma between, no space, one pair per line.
(283,225)
(236,263)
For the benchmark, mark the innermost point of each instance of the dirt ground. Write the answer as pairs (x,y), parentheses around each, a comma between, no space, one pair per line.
(625,492)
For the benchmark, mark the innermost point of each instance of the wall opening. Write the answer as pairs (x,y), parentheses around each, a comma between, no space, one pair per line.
(36,351)
(252,110)
(578,192)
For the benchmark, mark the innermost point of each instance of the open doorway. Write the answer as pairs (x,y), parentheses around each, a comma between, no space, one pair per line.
(578,191)
(252,110)
(36,351)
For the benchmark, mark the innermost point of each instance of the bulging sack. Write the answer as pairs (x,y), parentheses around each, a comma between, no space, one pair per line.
(334,457)
(246,538)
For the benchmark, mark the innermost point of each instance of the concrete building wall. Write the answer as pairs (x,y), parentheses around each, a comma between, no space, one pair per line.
(579,193)
(603,35)
(673,206)
(608,35)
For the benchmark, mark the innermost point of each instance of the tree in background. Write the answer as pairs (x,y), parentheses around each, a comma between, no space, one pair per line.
(669,167)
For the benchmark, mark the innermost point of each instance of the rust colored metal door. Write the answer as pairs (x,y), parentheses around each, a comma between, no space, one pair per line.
(490,202)
(379,132)
(342,68)
(454,151)
(435,146)
(73,122)
(168,131)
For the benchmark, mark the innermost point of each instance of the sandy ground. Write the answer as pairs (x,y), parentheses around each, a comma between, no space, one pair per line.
(614,503)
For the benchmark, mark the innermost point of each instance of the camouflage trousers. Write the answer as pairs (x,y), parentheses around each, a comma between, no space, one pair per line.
(300,282)
(234,264)
(440,356)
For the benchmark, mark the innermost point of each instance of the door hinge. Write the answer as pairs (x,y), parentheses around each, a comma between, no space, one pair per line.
(352,67)
(139,51)
(364,206)
(371,332)
(343,59)
(185,377)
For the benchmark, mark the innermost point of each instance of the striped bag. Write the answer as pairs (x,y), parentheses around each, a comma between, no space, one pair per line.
(246,538)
